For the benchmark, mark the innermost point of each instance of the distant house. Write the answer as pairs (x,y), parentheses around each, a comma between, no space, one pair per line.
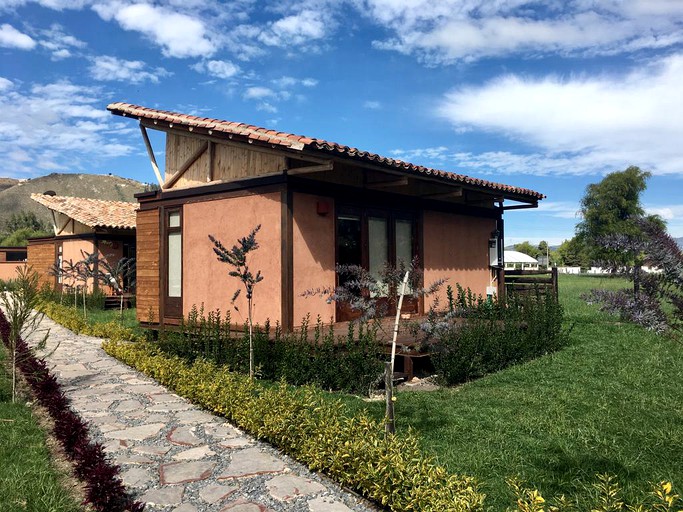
(515,260)
(10,258)
(320,204)
(105,228)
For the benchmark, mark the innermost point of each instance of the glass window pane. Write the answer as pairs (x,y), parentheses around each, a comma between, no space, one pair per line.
(175,262)
(404,242)
(174,220)
(378,250)
(404,245)
(349,248)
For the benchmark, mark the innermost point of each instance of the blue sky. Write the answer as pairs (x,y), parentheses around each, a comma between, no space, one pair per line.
(545,95)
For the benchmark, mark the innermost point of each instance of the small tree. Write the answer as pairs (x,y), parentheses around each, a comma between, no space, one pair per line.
(87,270)
(20,309)
(117,275)
(237,258)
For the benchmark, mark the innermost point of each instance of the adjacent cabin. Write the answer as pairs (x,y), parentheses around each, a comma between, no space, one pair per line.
(10,259)
(82,226)
(319,204)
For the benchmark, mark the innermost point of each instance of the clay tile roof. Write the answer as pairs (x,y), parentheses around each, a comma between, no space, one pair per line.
(95,213)
(301,143)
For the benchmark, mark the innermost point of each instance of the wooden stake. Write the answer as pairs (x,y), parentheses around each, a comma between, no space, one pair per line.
(389,426)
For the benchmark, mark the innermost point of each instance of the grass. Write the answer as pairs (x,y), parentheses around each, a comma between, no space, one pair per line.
(114,315)
(611,402)
(28,478)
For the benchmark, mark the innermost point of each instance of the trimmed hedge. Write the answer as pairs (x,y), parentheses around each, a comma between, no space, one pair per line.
(321,434)
(74,321)
(104,489)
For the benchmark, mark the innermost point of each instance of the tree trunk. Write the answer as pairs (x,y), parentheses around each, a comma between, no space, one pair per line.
(251,345)
(14,372)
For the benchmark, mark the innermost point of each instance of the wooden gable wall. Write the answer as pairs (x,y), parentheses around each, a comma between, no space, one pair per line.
(230,162)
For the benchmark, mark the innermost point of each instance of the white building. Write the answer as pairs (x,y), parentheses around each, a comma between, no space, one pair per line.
(519,261)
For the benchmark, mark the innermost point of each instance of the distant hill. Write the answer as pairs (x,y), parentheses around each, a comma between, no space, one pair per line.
(17,197)
(680,242)
(6,183)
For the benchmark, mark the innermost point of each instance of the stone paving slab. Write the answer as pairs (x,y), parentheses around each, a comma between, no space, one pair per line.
(175,456)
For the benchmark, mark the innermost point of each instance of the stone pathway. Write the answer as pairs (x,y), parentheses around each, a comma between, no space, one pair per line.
(175,456)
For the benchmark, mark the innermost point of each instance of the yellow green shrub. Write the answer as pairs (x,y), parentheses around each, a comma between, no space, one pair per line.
(315,431)
(74,321)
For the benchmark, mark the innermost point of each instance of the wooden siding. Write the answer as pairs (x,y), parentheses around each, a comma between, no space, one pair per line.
(41,256)
(229,162)
(147,263)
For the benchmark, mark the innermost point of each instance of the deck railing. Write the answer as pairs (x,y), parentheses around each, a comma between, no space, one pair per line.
(531,281)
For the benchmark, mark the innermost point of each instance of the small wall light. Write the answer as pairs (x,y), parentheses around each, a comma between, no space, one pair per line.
(323,207)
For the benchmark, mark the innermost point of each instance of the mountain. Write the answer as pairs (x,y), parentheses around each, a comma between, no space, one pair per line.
(6,183)
(17,196)
(679,241)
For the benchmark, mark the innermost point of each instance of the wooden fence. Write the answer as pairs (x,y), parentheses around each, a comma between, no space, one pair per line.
(531,281)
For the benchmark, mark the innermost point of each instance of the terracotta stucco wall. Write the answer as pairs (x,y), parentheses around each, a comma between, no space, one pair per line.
(71,251)
(206,280)
(456,248)
(313,249)
(8,269)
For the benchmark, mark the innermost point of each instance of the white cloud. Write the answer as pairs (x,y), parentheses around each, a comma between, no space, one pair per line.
(434,156)
(179,35)
(295,29)
(672,214)
(455,30)
(5,84)
(560,209)
(218,68)
(288,82)
(372,105)
(60,43)
(258,93)
(577,125)
(10,37)
(57,126)
(264,106)
(108,68)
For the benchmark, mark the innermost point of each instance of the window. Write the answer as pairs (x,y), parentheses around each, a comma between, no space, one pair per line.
(373,238)
(174,264)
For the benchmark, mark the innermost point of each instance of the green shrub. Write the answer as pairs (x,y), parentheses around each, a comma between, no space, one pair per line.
(315,431)
(478,336)
(73,320)
(352,363)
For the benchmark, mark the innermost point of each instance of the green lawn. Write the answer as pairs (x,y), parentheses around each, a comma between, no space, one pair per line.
(114,315)
(612,402)
(28,480)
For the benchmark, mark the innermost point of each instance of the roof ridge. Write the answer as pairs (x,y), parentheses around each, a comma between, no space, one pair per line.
(299,142)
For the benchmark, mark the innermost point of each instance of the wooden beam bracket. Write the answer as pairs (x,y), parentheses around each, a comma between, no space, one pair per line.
(188,163)
(457,192)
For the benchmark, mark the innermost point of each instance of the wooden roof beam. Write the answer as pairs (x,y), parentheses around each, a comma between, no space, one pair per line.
(150,152)
(390,183)
(452,194)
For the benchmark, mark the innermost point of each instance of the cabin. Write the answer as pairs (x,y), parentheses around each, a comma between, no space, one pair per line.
(10,259)
(81,225)
(319,204)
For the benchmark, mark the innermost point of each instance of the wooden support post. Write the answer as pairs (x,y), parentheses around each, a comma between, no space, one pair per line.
(152,158)
(389,426)
(209,178)
(556,288)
